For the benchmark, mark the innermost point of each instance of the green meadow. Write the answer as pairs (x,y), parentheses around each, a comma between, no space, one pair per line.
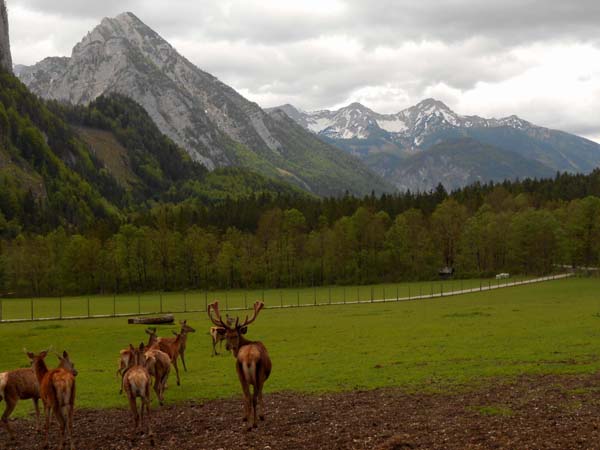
(437,344)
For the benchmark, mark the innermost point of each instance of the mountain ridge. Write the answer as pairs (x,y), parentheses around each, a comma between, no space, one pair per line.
(210,120)
(387,142)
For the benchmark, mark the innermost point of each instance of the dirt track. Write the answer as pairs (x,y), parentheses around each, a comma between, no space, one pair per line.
(541,412)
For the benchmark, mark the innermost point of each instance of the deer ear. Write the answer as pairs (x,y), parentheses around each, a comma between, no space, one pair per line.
(65,354)
(243,330)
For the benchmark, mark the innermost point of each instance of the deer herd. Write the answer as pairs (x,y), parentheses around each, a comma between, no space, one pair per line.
(138,366)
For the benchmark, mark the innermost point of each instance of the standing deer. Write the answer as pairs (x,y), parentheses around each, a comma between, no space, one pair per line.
(22,384)
(57,391)
(172,347)
(125,356)
(136,382)
(253,364)
(185,329)
(158,364)
(15,385)
(217,335)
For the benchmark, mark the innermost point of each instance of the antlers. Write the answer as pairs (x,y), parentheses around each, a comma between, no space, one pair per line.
(218,321)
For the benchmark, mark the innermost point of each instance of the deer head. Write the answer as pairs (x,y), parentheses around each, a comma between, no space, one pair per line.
(66,363)
(153,337)
(185,328)
(233,332)
(138,358)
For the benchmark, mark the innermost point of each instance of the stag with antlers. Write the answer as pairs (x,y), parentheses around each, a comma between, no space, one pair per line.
(57,390)
(253,364)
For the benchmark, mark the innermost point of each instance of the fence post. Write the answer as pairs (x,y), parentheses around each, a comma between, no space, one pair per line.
(344,288)
(358,294)
(31,305)
(88,306)
(281,298)
(315,295)
(60,308)
(114,305)
(330,295)
(371,294)
(384,294)
(441,289)
(397,293)
(409,291)
(298,298)
(263,296)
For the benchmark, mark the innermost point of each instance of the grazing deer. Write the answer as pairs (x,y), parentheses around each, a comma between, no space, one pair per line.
(125,356)
(253,364)
(185,329)
(136,382)
(217,335)
(57,391)
(158,364)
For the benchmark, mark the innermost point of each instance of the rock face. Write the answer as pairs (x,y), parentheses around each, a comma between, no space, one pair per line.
(396,146)
(5,58)
(215,124)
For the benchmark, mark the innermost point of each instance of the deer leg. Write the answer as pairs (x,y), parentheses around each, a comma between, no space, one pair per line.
(176,371)
(10,407)
(246,390)
(259,388)
(182,354)
(62,426)
(254,404)
(47,412)
(37,412)
(134,412)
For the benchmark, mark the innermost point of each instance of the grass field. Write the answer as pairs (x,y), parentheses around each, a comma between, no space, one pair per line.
(27,308)
(551,327)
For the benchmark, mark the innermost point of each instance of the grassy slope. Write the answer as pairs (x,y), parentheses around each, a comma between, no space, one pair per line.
(546,328)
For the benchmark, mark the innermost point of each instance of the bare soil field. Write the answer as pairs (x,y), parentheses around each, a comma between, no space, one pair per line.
(529,412)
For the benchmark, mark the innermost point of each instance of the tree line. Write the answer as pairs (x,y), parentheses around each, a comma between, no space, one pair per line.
(166,250)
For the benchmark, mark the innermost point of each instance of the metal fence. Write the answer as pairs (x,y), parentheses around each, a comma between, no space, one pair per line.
(64,308)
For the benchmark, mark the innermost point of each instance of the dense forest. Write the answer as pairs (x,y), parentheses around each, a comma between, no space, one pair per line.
(76,219)
(180,246)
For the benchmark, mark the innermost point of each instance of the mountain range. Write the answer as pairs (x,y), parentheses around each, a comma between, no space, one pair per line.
(429,143)
(210,120)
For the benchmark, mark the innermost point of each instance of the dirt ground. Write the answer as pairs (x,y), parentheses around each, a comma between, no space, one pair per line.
(530,412)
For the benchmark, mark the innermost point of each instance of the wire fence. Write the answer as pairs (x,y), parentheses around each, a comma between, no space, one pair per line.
(93,307)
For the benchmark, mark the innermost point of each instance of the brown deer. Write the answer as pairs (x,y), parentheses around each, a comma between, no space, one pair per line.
(125,356)
(172,347)
(185,329)
(253,364)
(217,335)
(57,391)
(22,384)
(158,364)
(15,385)
(136,382)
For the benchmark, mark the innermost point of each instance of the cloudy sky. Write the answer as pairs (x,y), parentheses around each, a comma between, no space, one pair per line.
(539,59)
